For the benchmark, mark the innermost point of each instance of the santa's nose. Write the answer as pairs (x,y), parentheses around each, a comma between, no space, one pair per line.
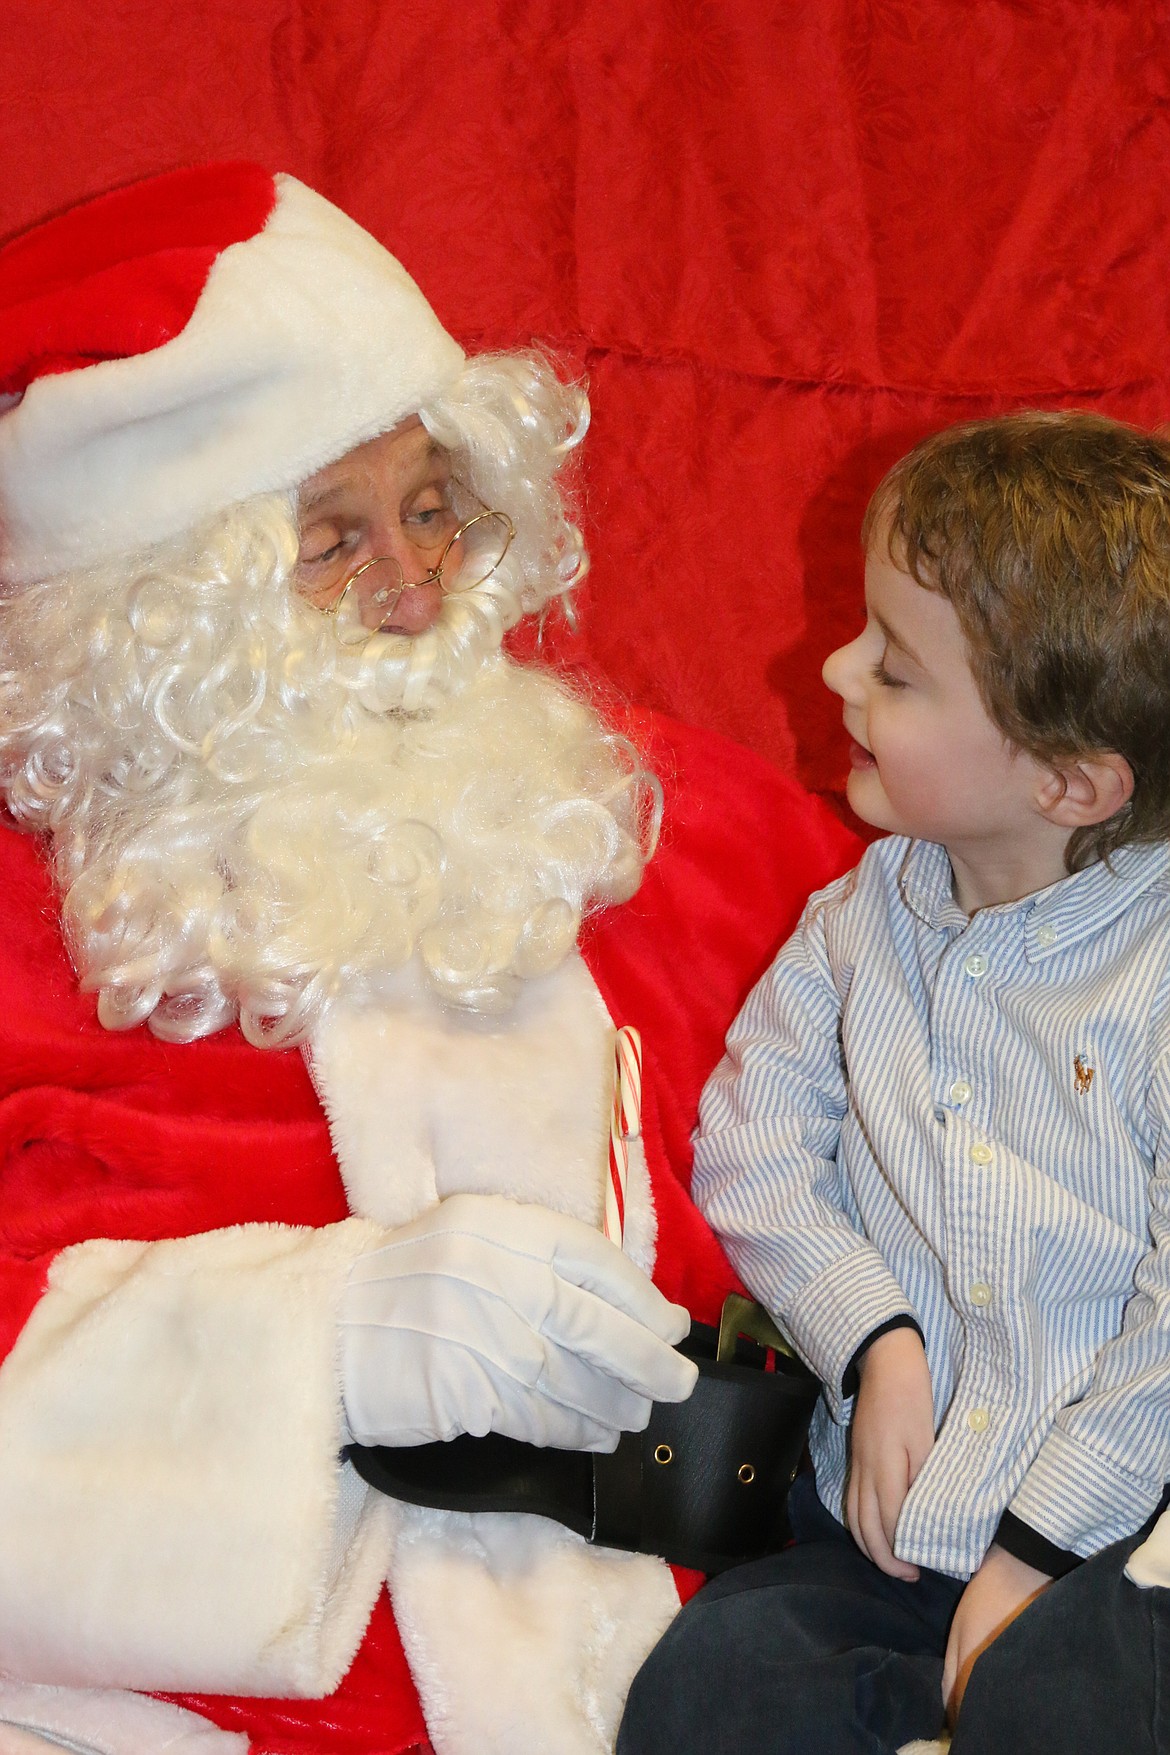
(418,608)
(389,600)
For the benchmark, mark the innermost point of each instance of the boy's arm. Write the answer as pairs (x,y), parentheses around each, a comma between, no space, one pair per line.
(1000,1590)
(1101,1470)
(766,1171)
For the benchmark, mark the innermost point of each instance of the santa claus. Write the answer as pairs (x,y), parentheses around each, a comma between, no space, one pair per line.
(264,529)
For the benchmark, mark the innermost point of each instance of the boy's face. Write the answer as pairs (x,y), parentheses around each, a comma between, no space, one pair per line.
(926,758)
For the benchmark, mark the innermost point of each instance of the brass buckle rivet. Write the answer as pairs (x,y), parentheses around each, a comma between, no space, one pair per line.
(747,1473)
(663,1454)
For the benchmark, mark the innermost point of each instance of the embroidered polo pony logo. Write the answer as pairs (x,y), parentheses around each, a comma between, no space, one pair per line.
(1083,1075)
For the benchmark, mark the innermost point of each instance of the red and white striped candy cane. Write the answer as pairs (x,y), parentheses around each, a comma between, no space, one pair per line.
(625,1123)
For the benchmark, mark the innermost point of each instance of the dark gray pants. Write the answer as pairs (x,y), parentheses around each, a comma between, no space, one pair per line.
(1085,1670)
(816,1652)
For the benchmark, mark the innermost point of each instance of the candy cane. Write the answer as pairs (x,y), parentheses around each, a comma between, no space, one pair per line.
(625,1122)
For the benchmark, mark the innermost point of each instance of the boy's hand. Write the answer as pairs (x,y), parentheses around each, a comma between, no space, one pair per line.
(891,1437)
(995,1595)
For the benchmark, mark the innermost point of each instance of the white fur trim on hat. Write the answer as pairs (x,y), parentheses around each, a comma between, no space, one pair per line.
(307,339)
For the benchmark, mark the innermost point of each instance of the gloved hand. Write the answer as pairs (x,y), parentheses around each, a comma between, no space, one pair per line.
(486,1315)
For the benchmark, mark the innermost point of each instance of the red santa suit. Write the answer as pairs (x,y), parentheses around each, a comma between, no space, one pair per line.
(175,1229)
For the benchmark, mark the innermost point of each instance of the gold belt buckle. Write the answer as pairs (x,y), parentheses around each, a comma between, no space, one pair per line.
(743,1316)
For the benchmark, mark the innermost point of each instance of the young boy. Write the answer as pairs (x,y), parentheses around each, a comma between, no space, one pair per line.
(937,1147)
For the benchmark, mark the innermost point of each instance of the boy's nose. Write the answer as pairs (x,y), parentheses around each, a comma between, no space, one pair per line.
(839,668)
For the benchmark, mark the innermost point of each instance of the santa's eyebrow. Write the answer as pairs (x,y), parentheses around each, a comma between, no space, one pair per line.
(893,638)
(321,497)
(314,502)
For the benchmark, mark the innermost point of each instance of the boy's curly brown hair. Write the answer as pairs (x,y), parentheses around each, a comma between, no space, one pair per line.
(1050,536)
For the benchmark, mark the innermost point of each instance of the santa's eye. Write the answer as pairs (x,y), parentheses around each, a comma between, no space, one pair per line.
(326,554)
(324,543)
(430,522)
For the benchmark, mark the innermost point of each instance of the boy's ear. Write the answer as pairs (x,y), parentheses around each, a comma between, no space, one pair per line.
(1090,790)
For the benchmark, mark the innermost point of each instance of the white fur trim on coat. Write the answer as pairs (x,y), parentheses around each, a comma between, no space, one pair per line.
(424,1101)
(307,339)
(169,1484)
(522,1638)
(1149,1564)
(105,1721)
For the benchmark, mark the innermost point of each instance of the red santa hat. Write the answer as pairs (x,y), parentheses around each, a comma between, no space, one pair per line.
(181,344)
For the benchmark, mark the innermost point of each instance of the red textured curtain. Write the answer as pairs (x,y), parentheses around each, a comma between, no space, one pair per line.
(782,239)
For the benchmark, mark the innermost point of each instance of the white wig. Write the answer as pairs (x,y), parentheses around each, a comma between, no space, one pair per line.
(249,817)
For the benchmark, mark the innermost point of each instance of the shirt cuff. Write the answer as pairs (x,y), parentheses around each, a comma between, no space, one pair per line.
(1024,1543)
(1080,1500)
(838,1312)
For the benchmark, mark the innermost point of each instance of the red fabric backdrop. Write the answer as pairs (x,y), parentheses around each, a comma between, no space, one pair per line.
(784,238)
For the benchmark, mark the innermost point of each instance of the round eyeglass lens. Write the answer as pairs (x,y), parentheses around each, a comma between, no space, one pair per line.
(378,584)
(475,551)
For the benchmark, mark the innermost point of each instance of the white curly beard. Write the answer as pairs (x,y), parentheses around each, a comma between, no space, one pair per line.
(416,673)
(250,818)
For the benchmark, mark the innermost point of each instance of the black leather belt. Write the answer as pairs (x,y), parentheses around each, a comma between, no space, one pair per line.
(704,1485)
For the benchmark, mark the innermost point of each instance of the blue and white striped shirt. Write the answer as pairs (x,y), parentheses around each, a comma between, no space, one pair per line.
(964,1121)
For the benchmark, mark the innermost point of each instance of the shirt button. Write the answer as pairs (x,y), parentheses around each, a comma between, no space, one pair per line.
(960,1092)
(1046,935)
(980,1293)
(979,1419)
(981,1153)
(976,965)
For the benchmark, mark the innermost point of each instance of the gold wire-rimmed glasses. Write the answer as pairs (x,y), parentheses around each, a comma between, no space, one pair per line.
(482,540)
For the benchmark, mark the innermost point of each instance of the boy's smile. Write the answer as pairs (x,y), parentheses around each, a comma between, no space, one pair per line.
(926,759)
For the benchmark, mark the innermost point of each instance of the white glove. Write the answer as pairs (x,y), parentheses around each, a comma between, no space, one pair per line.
(489,1316)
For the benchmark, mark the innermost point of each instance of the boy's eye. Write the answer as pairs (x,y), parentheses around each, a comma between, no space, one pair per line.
(881,675)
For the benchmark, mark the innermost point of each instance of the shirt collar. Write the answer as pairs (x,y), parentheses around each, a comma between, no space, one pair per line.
(1062,915)
(927,885)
